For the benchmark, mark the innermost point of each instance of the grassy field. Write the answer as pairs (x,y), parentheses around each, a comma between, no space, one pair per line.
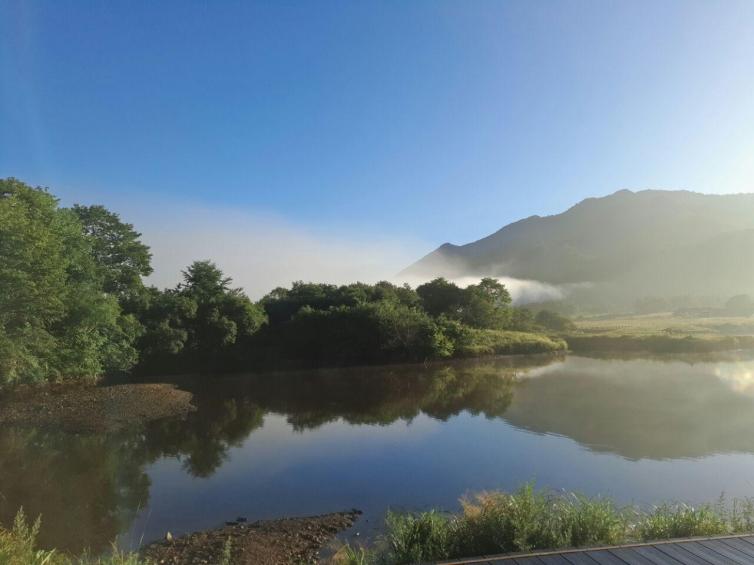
(666,324)
(661,333)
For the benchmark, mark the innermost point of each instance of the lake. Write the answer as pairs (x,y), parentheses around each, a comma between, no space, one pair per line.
(402,437)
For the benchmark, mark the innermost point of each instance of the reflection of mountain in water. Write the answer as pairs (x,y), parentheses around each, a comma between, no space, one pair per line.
(641,409)
(89,488)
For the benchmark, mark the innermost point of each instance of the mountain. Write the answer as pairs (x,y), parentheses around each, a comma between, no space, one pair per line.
(652,242)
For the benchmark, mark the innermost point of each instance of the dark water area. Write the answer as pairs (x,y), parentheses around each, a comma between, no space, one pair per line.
(403,437)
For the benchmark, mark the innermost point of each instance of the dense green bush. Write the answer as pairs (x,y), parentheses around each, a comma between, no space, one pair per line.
(377,332)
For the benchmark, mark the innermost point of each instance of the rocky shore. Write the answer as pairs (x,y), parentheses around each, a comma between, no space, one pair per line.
(92,409)
(269,542)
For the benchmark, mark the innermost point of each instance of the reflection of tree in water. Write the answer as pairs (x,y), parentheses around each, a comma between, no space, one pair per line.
(86,488)
(89,489)
(202,440)
(383,395)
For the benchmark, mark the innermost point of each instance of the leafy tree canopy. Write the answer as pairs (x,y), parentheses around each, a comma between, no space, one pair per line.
(118,252)
(55,320)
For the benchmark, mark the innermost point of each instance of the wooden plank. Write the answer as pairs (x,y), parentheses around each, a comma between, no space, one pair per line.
(527,561)
(705,553)
(727,551)
(656,556)
(630,556)
(697,551)
(580,558)
(604,557)
(740,545)
(556,559)
(680,554)
(747,539)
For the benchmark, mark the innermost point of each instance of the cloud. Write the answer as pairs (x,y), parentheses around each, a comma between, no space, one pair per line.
(261,251)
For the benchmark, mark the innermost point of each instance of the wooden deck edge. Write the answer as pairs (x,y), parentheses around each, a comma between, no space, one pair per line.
(545,552)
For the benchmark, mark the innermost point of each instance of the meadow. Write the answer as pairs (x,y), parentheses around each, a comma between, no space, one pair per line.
(661,333)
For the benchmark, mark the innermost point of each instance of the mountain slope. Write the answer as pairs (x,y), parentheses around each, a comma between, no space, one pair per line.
(653,241)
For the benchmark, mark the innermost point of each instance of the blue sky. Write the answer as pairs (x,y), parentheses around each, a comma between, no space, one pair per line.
(424,121)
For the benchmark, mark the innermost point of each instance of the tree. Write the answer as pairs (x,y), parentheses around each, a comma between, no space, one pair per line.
(224,315)
(486,305)
(55,320)
(120,255)
(553,321)
(440,296)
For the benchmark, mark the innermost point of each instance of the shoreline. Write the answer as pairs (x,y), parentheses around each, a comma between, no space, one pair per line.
(264,542)
(115,404)
(77,408)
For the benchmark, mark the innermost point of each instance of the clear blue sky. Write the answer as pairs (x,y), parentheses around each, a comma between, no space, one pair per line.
(434,120)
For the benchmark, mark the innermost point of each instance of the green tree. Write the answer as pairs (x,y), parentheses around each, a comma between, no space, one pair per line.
(553,321)
(121,257)
(225,317)
(166,318)
(486,305)
(440,296)
(55,320)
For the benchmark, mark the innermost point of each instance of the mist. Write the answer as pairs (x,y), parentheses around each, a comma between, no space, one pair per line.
(522,291)
(261,251)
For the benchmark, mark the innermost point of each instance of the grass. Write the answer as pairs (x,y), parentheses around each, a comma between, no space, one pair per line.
(665,323)
(661,333)
(18,546)
(478,342)
(227,552)
(529,519)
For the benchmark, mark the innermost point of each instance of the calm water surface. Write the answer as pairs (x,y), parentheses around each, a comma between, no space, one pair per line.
(400,437)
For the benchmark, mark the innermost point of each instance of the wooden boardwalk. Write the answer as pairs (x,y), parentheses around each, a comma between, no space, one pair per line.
(724,550)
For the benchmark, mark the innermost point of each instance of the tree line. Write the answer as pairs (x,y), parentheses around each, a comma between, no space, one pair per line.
(74,306)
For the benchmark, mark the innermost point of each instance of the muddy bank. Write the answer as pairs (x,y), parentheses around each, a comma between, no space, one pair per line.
(268,542)
(92,409)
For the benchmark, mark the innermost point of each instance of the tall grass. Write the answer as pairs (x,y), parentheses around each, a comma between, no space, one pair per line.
(349,555)
(529,519)
(18,546)
(478,342)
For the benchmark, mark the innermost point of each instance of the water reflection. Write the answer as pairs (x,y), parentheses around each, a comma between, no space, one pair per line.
(87,489)
(90,488)
(641,409)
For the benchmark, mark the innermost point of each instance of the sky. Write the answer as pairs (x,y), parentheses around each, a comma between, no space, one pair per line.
(362,135)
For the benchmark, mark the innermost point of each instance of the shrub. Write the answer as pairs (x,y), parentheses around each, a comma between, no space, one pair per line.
(681,521)
(415,538)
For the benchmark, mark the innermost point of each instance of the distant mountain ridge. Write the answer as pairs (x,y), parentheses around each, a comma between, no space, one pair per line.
(655,242)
